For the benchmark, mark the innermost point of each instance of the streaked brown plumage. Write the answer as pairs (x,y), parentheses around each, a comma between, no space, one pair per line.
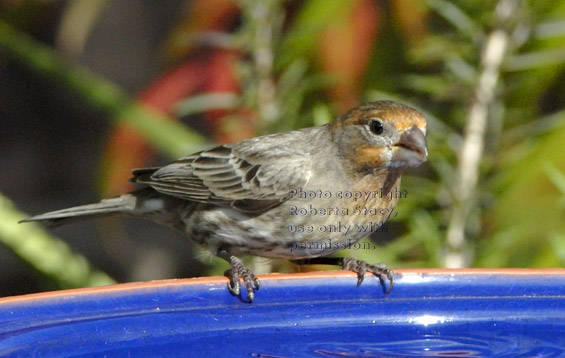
(236,199)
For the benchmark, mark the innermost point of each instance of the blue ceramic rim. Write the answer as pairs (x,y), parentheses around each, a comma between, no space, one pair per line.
(402,276)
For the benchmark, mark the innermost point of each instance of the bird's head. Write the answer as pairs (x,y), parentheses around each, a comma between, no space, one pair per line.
(381,135)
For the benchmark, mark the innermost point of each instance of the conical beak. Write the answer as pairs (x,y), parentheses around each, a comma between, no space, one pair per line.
(411,149)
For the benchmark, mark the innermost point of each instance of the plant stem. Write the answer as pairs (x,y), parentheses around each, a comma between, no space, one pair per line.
(264,23)
(493,53)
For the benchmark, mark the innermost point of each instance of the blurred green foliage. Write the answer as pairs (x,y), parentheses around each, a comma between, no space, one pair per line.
(517,211)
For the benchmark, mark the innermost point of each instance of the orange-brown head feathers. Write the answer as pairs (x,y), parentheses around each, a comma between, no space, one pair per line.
(381,135)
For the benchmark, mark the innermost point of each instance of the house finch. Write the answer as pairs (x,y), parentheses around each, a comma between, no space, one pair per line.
(297,195)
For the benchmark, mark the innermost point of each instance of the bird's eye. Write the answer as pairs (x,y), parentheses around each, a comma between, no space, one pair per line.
(376,126)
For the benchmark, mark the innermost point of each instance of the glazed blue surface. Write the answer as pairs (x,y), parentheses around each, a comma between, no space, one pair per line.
(425,315)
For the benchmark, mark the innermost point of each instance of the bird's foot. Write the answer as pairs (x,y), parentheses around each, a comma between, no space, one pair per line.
(358,266)
(240,271)
(361,267)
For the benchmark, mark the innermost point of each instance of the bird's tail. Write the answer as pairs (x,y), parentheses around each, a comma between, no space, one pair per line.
(123,204)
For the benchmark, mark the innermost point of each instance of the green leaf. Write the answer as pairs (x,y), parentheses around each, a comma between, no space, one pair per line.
(47,254)
(208,101)
(314,16)
(456,17)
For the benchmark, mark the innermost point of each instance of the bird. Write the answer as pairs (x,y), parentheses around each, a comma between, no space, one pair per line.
(279,195)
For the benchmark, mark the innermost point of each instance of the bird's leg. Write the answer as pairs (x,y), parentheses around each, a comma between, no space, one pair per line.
(238,269)
(351,264)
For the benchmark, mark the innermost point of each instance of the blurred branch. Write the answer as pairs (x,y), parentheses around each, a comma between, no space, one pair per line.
(264,22)
(493,53)
(46,254)
(165,133)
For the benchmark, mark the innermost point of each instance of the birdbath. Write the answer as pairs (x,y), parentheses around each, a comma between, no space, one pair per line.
(428,313)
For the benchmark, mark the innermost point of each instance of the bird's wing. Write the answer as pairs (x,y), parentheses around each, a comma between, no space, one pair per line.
(250,178)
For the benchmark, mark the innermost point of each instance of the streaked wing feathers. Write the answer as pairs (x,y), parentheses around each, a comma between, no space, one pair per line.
(248,181)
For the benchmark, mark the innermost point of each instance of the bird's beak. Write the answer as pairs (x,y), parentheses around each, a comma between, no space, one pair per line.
(411,149)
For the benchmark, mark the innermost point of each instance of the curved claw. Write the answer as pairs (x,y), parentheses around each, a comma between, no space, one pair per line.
(390,277)
(233,284)
(360,277)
